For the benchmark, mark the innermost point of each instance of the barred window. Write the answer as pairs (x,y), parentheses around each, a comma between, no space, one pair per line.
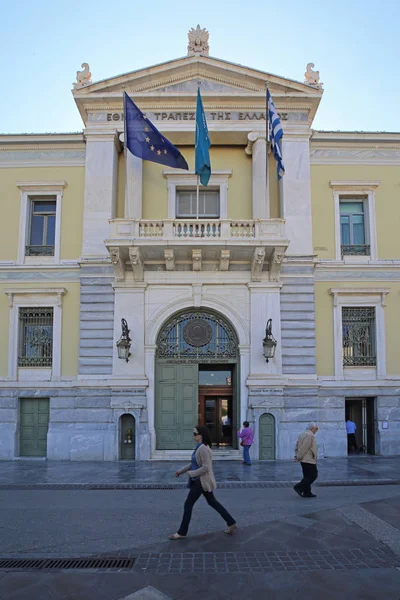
(359,347)
(35,337)
(42,227)
(186,204)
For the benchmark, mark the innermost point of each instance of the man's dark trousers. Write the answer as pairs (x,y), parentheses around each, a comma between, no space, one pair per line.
(310,474)
(351,441)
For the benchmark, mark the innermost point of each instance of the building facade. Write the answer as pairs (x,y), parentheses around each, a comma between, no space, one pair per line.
(92,235)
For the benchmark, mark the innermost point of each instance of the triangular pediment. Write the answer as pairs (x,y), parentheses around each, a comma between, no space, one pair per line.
(182,75)
(177,80)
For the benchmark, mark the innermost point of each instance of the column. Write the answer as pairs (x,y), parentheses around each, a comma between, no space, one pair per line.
(295,192)
(133,188)
(260,193)
(101,177)
(129,305)
(264,305)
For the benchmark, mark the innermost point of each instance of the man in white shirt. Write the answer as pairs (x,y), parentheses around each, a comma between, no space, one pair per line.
(351,434)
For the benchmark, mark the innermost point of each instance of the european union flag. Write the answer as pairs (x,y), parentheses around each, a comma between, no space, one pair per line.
(145,141)
(203,165)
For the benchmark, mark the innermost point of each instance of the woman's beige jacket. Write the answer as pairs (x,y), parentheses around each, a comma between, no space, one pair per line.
(205,470)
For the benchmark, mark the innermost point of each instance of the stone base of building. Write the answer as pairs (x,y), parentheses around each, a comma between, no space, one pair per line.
(105,424)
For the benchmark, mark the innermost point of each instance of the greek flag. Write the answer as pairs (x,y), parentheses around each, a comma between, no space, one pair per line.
(275,135)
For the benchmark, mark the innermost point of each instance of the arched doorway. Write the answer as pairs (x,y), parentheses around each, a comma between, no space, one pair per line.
(197,380)
(127,437)
(267,437)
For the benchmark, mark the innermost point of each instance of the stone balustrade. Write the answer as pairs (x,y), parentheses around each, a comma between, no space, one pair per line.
(205,229)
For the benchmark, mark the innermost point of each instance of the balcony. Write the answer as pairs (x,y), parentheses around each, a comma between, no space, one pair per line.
(197,244)
(355,250)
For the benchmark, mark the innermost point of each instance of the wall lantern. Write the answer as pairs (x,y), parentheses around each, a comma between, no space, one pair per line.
(124,342)
(269,342)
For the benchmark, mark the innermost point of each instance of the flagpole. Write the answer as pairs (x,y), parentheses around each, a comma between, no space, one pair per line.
(125,155)
(197,198)
(266,149)
(198,177)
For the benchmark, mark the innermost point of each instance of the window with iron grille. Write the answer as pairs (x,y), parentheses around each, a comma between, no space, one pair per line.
(359,346)
(186,204)
(35,337)
(42,227)
(352,228)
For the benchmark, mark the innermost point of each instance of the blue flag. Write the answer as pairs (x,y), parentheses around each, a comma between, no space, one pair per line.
(275,135)
(145,141)
(203,165)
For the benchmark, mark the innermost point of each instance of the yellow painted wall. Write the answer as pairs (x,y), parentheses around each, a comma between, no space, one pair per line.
(155,192)
(387,206)
(324,323)
(71,214)
(70,324)
(121,187)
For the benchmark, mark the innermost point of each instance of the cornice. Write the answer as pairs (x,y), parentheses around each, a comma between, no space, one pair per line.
(227,105)
(41,147)
(354,183)
(39,139)
(41,185)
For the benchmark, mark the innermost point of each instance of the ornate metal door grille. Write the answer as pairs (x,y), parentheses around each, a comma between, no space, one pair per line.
(197,336)
(36,337)
(359,348)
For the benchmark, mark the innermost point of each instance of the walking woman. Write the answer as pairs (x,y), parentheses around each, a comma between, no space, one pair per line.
(201,481)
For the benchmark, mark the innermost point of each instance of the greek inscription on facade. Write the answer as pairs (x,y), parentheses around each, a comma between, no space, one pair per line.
(191,116)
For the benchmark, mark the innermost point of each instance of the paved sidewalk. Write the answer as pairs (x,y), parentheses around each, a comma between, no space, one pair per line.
(357,470)
(348,552)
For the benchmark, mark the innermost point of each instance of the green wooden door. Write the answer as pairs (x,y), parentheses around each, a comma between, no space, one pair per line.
(267,437)
(176,406)
(34,424)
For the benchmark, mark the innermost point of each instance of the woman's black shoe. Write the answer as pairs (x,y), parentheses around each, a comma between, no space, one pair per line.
(298,490)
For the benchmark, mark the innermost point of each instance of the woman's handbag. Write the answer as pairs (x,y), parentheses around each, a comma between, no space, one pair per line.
(242,443)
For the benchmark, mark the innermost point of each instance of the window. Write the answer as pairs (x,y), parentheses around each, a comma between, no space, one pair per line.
(352,228)
(355,224)
(182,197)
(208,205)
(35,337)
(40,221)
(42,227)
(359,333)
(358,337)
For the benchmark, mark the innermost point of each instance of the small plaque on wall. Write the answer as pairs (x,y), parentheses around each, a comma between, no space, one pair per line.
(384,424)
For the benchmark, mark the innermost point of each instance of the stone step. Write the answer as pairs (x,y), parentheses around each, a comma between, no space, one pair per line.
(218,454)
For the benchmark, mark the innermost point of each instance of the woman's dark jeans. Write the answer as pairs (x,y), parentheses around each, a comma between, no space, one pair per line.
(194,494)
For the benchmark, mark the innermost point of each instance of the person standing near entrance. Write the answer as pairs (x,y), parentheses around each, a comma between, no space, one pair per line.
(306,453)
(247,438)
(351,435)
(201,481)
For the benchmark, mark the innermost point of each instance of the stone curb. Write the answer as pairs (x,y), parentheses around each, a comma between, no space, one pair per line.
(178,486)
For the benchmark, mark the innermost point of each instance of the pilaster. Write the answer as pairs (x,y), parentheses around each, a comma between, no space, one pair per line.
(134,186)
(101,174)
(257,147)
(130,305)
(295,192)
(264,305)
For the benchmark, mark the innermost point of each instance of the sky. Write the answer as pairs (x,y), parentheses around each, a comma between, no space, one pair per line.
(355,45)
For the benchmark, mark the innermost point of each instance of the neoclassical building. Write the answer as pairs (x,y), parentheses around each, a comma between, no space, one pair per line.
(92,235)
